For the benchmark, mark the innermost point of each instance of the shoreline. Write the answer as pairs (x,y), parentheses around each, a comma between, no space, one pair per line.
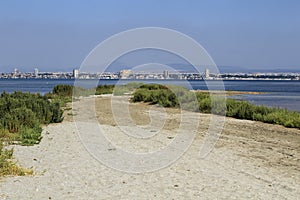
(284,89)
(230,92)
(148,79)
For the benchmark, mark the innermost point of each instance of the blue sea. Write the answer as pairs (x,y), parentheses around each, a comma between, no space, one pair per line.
(284,94)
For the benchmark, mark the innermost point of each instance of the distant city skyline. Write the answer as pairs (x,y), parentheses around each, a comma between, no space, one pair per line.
(162,74)
(176,67)
(57,35)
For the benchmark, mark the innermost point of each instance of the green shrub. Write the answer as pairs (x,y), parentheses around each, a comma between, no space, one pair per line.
(140,95)
(104,89)
(175,96)
(154,86)
(56,113)
(24,112)
(21,116)
(30,136)
(218,105)
(156,94)
(205,105)
(63,90)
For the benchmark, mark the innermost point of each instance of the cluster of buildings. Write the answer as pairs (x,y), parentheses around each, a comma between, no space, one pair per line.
(129,74)
(16,74)
(259,76)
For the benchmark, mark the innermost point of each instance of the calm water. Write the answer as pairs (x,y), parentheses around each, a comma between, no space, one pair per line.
(284,94)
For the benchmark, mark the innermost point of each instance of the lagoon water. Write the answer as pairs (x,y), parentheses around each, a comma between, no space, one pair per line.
(285,94)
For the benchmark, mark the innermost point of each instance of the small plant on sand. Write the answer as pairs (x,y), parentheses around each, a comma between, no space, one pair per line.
(7,166)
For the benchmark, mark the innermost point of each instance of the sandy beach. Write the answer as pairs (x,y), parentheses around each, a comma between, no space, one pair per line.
(251,160)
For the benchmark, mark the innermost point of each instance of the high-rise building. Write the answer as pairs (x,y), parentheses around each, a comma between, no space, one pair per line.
(166,74)
(36,72)
(75,73)
(16,71)
(207,73)
(125,73)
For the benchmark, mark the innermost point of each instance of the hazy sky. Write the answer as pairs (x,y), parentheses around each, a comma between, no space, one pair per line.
(58,34)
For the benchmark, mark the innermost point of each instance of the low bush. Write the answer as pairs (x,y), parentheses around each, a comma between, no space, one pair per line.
(156,94)
(7,166)
(104,89)
(63,90)
(21,115)
(175,96)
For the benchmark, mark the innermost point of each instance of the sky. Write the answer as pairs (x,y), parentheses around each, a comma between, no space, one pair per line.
(57,35)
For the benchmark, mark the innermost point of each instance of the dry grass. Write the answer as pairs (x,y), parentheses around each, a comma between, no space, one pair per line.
(8,166)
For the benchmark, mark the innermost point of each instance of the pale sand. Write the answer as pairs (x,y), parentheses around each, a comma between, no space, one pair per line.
(251,160)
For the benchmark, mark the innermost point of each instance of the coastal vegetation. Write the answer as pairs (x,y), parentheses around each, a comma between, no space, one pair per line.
(21,118)
(66,92)
(180,97)
(175,96)
(22,115)
(8,166)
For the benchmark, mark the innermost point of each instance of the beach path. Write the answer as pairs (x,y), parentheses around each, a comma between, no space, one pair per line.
(251,160)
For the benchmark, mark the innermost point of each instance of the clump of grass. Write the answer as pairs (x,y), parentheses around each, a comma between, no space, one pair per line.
(7,166)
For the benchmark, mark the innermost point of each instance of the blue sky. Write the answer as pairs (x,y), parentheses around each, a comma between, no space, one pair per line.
(58,34)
